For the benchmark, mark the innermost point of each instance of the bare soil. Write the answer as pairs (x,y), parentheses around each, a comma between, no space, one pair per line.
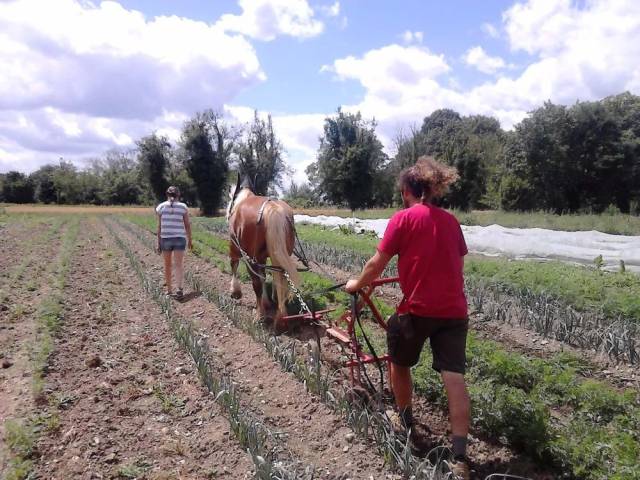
(128,402)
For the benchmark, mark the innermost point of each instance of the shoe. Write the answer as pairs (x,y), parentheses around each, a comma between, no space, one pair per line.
(397,425)
(460,469)
(179,294)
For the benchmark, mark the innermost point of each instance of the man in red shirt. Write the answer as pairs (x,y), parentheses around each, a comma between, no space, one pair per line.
(431,249)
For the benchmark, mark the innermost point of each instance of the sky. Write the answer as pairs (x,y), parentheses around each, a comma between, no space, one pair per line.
(78,78)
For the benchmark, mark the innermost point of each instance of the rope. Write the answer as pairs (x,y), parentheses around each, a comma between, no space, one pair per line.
(354,311)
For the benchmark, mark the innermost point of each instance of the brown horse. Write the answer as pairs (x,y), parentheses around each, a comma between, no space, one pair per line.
(261,227)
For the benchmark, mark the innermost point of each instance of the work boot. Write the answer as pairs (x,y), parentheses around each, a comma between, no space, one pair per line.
(460,469)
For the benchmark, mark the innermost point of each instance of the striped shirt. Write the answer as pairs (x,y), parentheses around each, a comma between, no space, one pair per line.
(172,219)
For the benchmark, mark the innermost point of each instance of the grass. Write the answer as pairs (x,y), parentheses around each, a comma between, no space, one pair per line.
(615,293)
(611,222)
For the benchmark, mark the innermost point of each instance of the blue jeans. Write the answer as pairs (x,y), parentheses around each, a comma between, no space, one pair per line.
(173,243)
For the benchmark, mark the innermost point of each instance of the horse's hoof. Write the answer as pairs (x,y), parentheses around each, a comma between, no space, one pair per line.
(236,295)
(280,328)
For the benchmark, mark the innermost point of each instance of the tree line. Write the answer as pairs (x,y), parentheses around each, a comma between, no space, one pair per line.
(198,164)
(579,158)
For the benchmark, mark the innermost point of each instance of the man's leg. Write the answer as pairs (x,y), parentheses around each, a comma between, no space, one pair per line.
(402,386)
(459,410)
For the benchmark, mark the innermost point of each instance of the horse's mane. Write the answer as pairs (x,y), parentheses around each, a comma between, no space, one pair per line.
(243,195)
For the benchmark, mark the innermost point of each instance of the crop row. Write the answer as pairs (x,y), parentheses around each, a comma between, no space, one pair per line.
(21,436)
(517,399)
(612,334)
(365,422)
(248,429)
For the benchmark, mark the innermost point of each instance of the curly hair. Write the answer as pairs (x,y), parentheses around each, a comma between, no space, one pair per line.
(427,179)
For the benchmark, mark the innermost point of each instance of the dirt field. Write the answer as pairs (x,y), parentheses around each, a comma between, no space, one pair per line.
(75,209)
(101,377)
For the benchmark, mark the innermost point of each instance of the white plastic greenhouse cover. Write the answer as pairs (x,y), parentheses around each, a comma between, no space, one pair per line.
(523,243)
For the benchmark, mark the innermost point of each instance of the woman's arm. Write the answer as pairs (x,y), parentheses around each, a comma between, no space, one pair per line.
(158,233)
(187,227)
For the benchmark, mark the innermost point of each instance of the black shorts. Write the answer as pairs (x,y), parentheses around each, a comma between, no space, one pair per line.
(406,335)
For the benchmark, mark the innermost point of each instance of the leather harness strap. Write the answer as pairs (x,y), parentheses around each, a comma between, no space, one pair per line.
(261,211)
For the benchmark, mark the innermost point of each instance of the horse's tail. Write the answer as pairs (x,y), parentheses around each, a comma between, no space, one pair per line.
(280,239)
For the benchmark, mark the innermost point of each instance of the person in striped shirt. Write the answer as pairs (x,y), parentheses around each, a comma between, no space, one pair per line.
(174,235)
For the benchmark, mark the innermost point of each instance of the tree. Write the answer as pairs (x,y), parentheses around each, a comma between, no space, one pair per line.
(260,156)
(153,156)
(66,184)
(349,156)
(42,179)
(471,144)
(300,195)
(17,188)
(207,144)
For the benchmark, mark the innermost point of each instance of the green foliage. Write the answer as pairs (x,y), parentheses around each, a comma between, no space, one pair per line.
(472,144)
(20,437)
(17,188)
(207,145)
(260,157)
(349,156)
(153,156)
(578,158)
(300,196)
(586,289)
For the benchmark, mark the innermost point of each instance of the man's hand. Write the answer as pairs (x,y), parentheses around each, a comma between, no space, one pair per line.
(372,270)
(352,286)
(190,244)
(158,250)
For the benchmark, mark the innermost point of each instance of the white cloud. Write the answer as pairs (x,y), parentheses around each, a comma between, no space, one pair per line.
(331,10)
(582,51)
(478,58)
(267,19)
(86,78)
(490,30)
(412,37)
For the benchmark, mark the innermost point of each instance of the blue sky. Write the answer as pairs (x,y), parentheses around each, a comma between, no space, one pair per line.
(82,77)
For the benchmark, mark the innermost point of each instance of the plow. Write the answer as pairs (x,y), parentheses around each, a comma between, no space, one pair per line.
(343,330)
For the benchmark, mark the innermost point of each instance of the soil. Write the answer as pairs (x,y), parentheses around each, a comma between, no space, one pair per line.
(310,430)
(488,457)
(127,401)
(18,310)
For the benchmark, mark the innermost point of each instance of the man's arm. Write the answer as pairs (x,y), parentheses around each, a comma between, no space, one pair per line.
(371,271)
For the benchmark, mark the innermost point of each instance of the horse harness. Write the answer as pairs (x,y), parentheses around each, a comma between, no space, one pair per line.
(253,265)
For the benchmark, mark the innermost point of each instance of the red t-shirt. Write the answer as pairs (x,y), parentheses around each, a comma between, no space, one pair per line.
(430,248)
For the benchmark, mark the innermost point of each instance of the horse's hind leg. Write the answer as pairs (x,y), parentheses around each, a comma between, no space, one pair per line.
(236,291)
(282,291)
(262,302)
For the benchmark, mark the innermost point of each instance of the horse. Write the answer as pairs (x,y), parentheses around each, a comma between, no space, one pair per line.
(261,228)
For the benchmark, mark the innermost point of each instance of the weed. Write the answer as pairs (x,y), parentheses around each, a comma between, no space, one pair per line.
(168,401)
(134,470)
